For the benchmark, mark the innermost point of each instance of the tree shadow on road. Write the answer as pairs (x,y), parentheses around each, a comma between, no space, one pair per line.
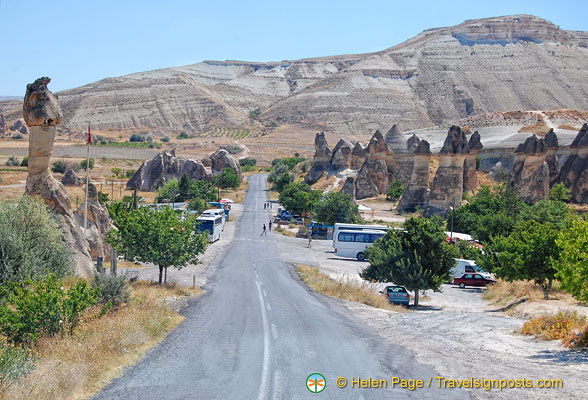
(564,357)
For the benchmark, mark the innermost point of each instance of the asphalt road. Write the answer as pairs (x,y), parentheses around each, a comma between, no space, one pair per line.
(259,333)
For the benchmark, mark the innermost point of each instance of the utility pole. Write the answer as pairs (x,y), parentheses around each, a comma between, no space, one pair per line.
(452,214)
(87,181)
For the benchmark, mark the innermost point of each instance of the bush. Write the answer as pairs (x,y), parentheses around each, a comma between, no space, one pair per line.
(14,363)
(31,242)
(233,148)
(102,197)
(113,289)
(554,327)
(83,163)
(59,167)
(396,190)
(129,173)
(116,171)
(165,139)
(12,162)
(183,135)
(136,138)
(243,162)
(16,136)
(30,311)
(228,179)
(25,162)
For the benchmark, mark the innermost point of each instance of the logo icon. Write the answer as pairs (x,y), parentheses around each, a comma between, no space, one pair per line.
(316,383)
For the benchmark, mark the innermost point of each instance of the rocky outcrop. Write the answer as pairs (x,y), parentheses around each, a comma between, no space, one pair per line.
(166,166)
(20,127)
(70,178)
(2,125)
(372,179)
(97,224)
(530,173)
(447,188)
(574,172)
(358,155)
(321,159)
(342,154)
(222,159)
(42,112)
(470,176)
(417,193)
(349,187)
(551,157)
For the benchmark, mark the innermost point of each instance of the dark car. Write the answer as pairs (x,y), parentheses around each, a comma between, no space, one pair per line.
(396,295)
(472,280)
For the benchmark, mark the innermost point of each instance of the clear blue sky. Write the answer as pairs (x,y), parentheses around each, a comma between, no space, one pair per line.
(76,42)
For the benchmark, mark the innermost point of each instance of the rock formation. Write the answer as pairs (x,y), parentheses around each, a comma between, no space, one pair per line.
(417,193)
(97,225)
(166,166)
(358,155)
(372,179)
(574,173)
(2,125)
(530,173)
(20,127)
(551,157)
(342,153)
(321,159)
(41,113)
(70,178)
(349,187)
(222,159)
(470,176)
(447,188)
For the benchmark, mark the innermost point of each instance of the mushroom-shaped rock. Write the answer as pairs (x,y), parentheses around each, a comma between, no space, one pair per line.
(342,155)
(551,157)
(321,159)
(470,176)
(417,192)
(530,172)
(40,106)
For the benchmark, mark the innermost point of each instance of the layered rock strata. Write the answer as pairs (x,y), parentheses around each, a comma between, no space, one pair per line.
(41,112)
(530,172)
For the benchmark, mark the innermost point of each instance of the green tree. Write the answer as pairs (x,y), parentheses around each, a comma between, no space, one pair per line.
(572,265)
(129,173)
(83,163)
(417,257)
(228,179)
(169,192)
(528,253)
(159,236)
(299,197)
(116,172)
(336,207)
(395,191)
(31,242)
(59,167)
(560,193)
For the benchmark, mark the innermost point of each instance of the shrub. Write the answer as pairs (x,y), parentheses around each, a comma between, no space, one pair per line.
(553,327)
(31,242)
(12,162)
(577,340)
(116,171)
(14,363)
(113,289)
(247,162)
(30,311)
(17,136)
(59,167)
(25,162)
(396,190)
(165,139)
(233,148)
(136,138)
(183,135)
(228,178)
(83,163)
(129,173)
(102,197)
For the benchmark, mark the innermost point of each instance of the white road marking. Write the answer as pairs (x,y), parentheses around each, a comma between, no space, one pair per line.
(274,331)
(267,305)
(264,293)
(277,392)
(264,386)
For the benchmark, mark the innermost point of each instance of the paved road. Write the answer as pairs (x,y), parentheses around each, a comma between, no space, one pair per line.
(258,333)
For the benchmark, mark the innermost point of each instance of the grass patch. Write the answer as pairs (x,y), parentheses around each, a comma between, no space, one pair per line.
(346,289)
(503,292)
(135,145)
(279,229)
(569,327)
(75,366)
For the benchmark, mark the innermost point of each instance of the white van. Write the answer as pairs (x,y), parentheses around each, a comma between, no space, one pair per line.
(466,267)
(352,243)
(215,212)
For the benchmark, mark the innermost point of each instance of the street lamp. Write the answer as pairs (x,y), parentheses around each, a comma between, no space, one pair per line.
(452,214)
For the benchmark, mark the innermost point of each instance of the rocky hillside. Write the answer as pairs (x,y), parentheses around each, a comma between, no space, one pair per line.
(441,75)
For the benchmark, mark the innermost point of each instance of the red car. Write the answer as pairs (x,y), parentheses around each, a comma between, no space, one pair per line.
(472,280)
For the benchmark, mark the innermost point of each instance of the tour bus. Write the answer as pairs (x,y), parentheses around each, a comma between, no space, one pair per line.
(352,243)
(212,224)
(215,212)
(357,227)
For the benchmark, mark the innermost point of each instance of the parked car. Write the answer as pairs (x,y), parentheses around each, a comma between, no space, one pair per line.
(396,295)
(472,280)
(286,215)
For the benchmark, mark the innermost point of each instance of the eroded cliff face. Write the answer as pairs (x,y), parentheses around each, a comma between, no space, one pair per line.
(437,77)
(574,172)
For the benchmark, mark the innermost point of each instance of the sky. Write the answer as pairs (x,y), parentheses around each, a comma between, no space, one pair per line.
(79,42)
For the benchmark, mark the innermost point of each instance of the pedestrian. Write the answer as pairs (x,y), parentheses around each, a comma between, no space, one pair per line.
(264,204)
(270,225)
(264,232)
(309,235)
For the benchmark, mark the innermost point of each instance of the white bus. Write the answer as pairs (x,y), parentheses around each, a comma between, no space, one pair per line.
(352,243)
(211,224)
(215,212)
(357,227)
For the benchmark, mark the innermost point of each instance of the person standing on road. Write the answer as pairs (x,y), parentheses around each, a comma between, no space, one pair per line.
(264,232)
(270,225)
(264,204)
(309,236)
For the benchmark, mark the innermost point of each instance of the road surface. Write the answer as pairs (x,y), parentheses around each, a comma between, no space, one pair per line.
(258,333)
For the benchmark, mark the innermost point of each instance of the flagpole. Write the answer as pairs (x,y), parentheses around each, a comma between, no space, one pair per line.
(87,182)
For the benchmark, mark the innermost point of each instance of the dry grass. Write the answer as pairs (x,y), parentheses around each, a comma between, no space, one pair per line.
(565,326)
(76,366)
(569,127)
(324,182)
(345,288)
(503,292)
(236,195)
(284,231)
(540,127)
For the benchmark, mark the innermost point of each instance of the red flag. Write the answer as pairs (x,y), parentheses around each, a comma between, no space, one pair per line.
(89,136)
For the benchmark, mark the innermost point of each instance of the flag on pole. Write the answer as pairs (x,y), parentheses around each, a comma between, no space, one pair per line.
(89,136)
